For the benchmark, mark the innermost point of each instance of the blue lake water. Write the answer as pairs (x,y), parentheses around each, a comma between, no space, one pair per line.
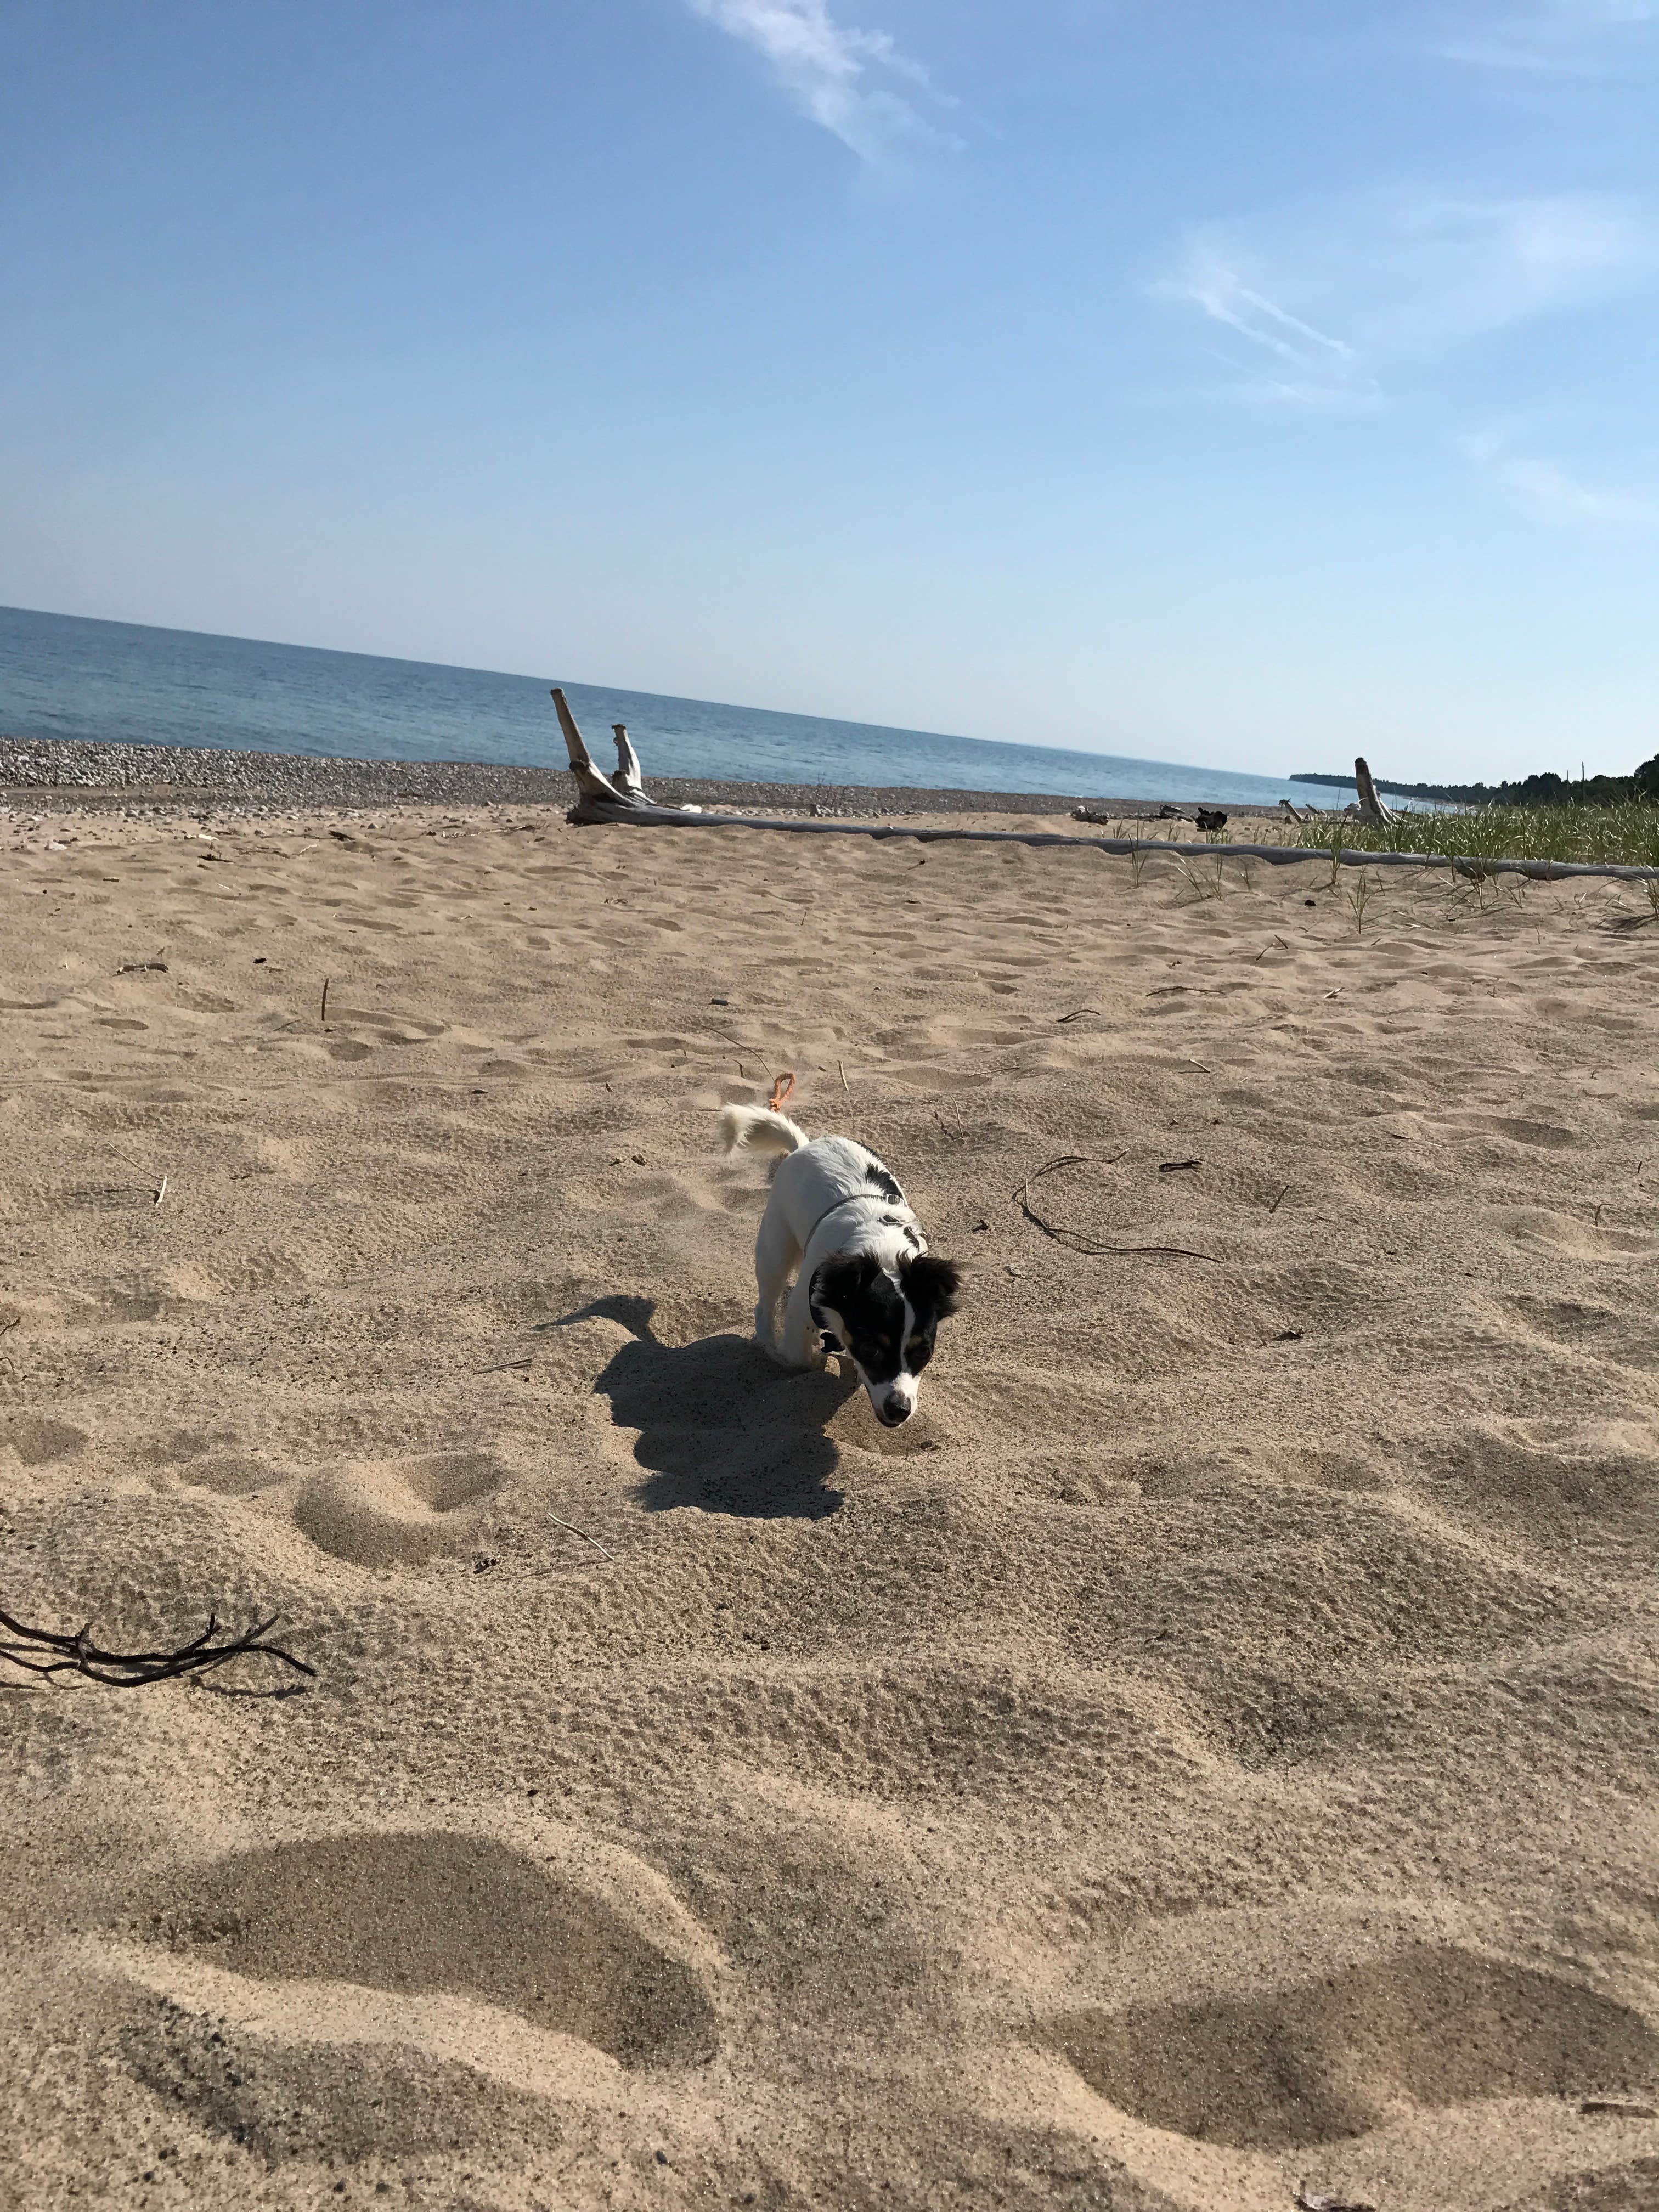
(64,676)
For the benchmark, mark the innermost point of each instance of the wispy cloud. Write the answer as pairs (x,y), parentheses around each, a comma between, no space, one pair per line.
(1339,302)
(847,80)
(1552,38)
(1546,487)
(1316,367)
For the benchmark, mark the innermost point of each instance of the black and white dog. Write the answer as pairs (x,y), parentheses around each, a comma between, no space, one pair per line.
(867,1285)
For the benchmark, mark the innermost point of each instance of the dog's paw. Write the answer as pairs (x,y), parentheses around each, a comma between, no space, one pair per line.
(800,1360)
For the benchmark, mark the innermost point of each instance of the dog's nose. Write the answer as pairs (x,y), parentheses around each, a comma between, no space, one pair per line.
(895,1411)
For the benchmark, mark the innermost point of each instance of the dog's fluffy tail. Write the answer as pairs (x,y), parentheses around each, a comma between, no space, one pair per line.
(758,1129)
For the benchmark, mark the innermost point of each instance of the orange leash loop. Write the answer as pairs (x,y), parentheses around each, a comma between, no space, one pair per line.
(782,1087)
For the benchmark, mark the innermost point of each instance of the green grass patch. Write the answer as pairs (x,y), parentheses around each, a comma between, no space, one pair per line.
(1623,835)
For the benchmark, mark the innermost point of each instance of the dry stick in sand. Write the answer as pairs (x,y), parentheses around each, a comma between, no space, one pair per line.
(39,1651)
(582,1533)
(323,1016)
(1091,1247)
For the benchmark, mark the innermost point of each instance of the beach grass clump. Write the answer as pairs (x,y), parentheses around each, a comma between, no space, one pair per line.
(1625,834)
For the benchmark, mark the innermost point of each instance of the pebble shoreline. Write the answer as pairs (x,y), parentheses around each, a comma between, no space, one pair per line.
(69,775)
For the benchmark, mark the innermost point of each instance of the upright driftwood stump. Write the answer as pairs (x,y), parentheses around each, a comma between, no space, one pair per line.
(628,763)
(1371,807)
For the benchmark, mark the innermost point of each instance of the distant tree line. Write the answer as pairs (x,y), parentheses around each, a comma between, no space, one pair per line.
(1546,789)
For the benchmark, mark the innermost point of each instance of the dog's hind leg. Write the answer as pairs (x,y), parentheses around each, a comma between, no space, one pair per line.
(776,1254)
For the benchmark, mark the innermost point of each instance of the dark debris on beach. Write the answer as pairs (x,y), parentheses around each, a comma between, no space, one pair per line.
(59,773)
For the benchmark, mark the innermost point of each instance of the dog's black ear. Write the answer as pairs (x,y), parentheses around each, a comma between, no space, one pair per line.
(930,1285)
(840,1281)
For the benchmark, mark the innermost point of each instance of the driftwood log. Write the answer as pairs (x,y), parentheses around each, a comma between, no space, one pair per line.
(1371,807)
(603,797)
(625,800)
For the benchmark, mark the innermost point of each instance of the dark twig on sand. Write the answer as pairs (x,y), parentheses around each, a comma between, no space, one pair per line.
(323,1016)
(39,1651)
(1079,1240)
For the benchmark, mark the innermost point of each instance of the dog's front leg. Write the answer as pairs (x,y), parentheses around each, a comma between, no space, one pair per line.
(775,1253)
(802,1344)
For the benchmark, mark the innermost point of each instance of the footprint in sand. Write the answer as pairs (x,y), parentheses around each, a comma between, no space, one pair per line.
(1544,1135)
(345,2091)
(232,1477)
(41,1442)
(1628,1339)
(376,1994)
(432,1910)
(1539,1228)
(1322,2060)
(397,1513)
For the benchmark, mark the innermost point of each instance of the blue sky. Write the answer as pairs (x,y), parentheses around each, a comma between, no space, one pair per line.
(1242,386)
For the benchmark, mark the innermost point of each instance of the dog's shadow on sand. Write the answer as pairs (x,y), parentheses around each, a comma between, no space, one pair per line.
(721,1426)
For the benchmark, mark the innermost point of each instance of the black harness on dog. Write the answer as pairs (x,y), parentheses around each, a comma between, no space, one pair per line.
(892,1221)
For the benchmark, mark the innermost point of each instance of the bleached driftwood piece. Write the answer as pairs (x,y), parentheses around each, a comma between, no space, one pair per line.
(628,763)
(1371,807)
(601,800)
(624,799)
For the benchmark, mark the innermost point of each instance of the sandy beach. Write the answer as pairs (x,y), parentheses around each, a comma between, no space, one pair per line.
(1208,1755)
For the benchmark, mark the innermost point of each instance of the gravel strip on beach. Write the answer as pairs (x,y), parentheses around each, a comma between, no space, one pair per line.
(68,774)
